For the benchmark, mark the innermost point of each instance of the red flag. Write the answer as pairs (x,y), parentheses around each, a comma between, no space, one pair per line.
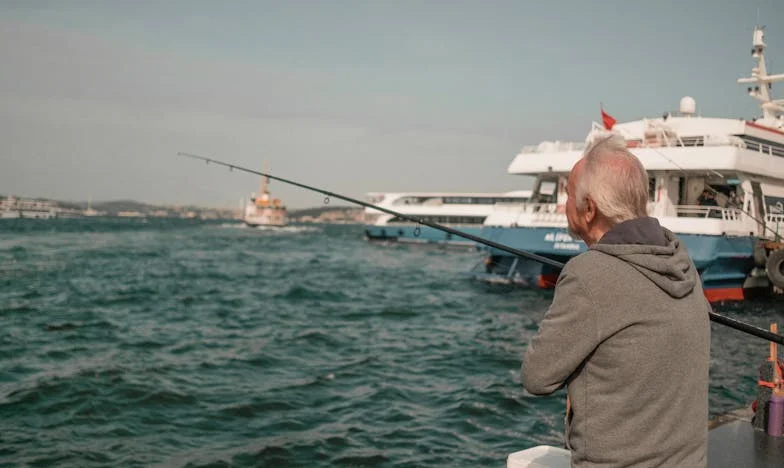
(608,120)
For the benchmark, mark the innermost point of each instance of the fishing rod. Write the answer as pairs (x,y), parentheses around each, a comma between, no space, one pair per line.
(513,251)
(715,317)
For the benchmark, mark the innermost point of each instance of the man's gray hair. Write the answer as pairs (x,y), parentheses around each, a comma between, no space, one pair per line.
(614,179)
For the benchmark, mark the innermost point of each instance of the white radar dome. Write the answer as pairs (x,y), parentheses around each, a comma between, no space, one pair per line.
(688,105)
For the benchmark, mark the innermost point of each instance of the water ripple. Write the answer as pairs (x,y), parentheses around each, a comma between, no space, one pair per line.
(173,343)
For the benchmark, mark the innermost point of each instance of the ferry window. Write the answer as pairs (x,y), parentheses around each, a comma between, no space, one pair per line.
(547,188)
(651,188)
(546,192)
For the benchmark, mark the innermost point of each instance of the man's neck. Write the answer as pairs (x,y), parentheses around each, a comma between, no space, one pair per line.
(597,230)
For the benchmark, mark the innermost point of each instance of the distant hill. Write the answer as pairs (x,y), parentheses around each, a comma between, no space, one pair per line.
(116,206)
(71,205)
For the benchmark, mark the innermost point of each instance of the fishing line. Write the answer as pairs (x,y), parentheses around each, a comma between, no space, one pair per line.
(329,194)
(715,317)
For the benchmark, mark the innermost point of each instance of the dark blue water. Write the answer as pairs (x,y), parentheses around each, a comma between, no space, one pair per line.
(179,343)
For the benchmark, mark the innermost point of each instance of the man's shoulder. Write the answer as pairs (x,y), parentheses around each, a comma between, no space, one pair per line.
(594,270)
(588,261)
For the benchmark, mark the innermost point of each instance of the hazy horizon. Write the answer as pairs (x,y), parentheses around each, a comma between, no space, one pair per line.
(333,203)
(350,96)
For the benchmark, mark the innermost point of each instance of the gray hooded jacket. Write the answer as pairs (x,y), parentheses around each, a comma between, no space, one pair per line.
(628,332)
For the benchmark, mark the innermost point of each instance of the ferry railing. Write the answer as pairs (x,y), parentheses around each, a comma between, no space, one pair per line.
(549,218)
(714,212)
(551,214)
(544,208)
(776,223)
(537,212)
(666,139)
(554,146)
(526,207)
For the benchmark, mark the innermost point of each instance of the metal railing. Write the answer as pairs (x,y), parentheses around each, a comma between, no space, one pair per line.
(548,217)
(526,207)
(714,212)
(776,223)
(657,134)
(554,146)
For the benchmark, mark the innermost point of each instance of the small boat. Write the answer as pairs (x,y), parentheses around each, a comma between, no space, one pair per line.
(263,210)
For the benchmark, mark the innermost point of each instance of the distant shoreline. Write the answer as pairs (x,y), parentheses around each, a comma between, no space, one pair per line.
(12,207)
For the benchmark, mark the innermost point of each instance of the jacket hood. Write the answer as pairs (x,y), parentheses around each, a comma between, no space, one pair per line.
(653,251)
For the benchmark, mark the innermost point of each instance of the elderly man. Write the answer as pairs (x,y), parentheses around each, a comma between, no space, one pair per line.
(628,330)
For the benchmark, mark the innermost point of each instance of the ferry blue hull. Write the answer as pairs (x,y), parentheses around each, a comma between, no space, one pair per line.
(724,262)
(406,233)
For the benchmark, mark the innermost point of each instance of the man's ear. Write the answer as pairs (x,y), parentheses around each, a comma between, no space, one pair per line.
(590,210)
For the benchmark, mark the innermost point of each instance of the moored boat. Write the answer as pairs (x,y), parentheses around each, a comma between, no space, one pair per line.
(465,212)
(717,183)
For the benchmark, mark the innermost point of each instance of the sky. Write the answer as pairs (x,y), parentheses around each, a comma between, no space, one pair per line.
(351,96)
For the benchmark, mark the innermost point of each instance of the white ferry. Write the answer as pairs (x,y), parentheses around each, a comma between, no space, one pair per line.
(462,211)
(740,162)
(263,210)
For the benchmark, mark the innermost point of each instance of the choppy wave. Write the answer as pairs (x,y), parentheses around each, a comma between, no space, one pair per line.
(192,344)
